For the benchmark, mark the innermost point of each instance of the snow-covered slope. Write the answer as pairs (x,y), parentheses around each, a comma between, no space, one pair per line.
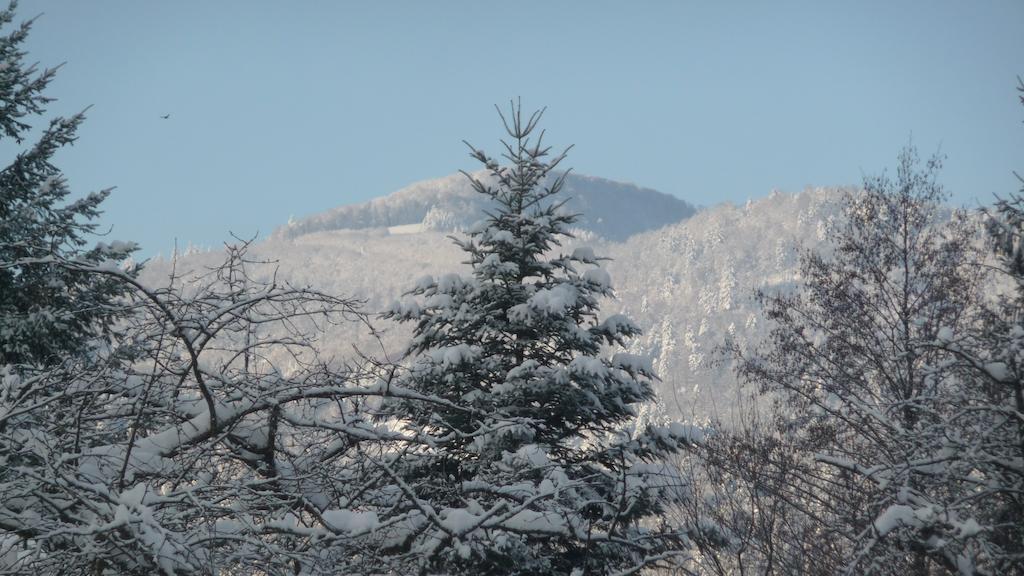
(689,285)
(692,287)
(612,210)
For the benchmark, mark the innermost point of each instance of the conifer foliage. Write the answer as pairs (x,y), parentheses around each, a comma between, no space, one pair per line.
(529,469)
(47,312)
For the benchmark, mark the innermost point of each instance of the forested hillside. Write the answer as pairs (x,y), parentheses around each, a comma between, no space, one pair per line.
(514,370)
(691,283)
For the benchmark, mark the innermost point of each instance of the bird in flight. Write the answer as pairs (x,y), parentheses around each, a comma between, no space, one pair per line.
(166,116)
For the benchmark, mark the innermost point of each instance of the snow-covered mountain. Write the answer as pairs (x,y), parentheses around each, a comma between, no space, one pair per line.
(609,209)
(689,283)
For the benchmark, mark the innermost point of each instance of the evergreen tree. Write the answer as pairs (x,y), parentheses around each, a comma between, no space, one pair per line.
(48,312)
(531,467)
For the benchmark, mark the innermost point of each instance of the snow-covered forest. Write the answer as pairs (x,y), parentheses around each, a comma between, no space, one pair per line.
(511,370)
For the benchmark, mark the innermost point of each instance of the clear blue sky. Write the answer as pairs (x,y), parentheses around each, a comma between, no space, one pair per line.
(290,108)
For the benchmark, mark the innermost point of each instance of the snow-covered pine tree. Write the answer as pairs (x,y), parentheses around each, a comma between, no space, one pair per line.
(47,312)
(533,467)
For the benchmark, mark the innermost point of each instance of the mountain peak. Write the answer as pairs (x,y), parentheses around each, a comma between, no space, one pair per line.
(608,209)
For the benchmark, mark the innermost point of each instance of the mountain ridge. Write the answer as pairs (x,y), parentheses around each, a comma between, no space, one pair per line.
(449,204)
(690,284)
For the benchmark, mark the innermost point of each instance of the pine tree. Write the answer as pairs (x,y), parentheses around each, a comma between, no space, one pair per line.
(530,468)
(47,312)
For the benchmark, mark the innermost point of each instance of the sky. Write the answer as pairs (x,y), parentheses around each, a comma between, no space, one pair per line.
(282,109)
